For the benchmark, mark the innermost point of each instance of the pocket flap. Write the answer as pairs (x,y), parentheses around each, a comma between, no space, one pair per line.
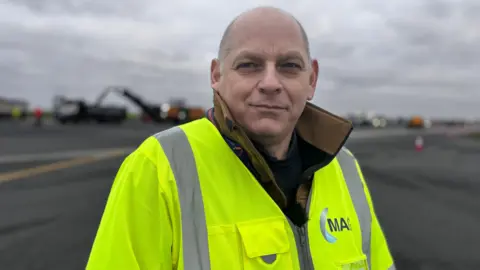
(264,237)
(354,263)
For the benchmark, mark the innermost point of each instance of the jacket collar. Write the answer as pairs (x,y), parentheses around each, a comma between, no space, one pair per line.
(318,127)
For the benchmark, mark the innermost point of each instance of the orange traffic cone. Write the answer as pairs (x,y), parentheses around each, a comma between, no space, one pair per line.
(419,143)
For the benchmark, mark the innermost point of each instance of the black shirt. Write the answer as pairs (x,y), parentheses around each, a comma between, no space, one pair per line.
(288,171)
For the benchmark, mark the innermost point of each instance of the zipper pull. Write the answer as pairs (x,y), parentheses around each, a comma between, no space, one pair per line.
(302,235)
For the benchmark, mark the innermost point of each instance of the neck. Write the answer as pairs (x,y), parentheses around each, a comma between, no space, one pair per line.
(275,148)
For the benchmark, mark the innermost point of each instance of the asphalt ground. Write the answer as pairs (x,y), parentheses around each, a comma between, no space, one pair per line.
(426,201)
(54,182)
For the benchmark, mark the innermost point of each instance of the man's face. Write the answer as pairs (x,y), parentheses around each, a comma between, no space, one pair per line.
(266,78)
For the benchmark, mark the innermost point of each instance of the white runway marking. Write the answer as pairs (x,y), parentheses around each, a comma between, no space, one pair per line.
(8,159)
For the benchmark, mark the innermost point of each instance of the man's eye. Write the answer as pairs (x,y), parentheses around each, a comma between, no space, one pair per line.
(247,65)
(291,65)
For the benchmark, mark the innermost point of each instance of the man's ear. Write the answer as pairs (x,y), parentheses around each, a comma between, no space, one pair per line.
(215,74)
(313,79)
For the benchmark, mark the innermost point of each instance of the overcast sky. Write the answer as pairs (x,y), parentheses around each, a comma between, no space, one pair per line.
(394,57)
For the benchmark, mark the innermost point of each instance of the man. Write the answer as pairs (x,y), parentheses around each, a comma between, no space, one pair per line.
(263,182)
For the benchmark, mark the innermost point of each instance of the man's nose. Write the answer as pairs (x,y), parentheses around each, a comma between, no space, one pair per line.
(270,82)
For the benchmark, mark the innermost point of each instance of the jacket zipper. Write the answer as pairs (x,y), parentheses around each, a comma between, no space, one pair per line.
(307,258)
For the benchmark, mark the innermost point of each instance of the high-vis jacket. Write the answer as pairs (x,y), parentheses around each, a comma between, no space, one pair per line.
(183,200)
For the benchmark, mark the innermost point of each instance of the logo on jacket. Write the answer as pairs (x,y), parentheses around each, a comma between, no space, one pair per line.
(334,225)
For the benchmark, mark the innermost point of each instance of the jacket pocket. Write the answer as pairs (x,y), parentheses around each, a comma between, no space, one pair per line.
(265,244)
(354,263)
(224,247)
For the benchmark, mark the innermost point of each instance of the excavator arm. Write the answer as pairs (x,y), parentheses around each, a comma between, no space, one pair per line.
(127,93)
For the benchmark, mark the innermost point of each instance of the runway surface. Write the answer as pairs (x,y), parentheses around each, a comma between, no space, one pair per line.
(426,201)
(54,182)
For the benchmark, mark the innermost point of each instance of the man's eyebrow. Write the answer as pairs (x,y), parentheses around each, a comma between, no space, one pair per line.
(291,55)
(249,55)
(294,55)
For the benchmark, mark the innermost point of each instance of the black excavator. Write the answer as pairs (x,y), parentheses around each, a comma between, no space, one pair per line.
(176,111)
(154,112)
(77,110)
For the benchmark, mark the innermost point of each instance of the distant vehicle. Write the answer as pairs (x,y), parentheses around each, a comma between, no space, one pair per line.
(150,112)
(175,111)
(76,111)
(368,120)
(108,114)
(179,112)
(419,122)
(15,108)
(157,110)
(379,122)
(415,122)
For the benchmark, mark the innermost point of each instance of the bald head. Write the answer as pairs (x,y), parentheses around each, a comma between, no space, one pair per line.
(254,17)
(264,73)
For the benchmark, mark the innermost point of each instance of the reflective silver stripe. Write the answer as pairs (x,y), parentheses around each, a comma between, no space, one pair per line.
(392,267)
(177,148)
(357,193)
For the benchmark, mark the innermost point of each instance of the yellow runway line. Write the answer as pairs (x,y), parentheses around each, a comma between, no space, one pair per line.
(24,173)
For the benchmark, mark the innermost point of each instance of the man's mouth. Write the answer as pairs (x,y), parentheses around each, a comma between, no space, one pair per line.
(268,107)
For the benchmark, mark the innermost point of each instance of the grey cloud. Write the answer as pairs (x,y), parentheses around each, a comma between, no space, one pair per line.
(431,54)
(103,8)
(330,49)
(439,8)
(396,56)
(71,65)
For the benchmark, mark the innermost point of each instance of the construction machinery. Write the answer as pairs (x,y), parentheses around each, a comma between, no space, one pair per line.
(77,110)
(418,122)
(149,111)
(175,111)
(178,112)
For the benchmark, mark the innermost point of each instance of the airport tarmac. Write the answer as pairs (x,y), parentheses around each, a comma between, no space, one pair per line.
(54,182)
(426,200)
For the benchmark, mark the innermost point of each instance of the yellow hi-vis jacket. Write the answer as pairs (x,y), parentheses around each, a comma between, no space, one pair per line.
(184,200)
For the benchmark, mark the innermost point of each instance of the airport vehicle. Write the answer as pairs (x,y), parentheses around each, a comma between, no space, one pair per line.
(175,111)
(78,110)
(13,108)
(415,122)
(157,110)
(379,122)
(178,112)
(419,122)
(368,120)
(149,111)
